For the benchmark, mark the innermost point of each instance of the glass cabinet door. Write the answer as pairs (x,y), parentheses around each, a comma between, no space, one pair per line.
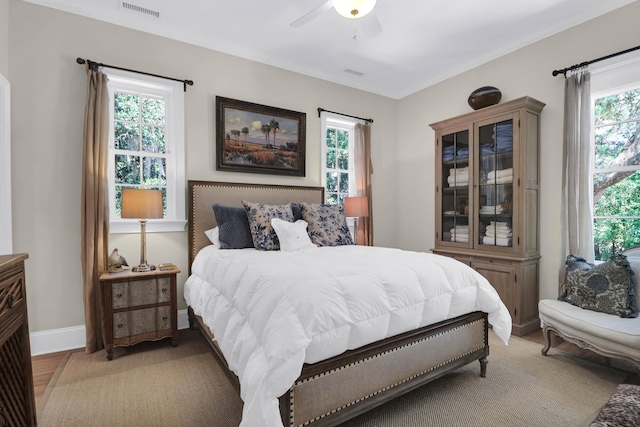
(455,187)
(495,185)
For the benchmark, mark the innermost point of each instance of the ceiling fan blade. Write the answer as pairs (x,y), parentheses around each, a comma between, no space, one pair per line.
(370,25)
(314,13)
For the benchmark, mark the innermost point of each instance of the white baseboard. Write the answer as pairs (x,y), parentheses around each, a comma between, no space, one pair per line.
(72,338)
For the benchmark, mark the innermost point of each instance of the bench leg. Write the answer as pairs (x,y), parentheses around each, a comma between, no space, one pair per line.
(546,331)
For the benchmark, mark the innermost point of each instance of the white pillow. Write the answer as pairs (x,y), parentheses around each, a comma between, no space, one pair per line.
(213,236)
(292,235)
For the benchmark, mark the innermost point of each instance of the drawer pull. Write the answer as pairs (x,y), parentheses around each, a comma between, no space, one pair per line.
(165,317)
(119,295)
(11,302)
(120,325)
(164,290)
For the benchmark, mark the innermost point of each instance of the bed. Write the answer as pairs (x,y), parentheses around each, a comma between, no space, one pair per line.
(283,383)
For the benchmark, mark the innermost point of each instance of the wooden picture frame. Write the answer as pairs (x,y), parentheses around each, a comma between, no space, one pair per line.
(257,138)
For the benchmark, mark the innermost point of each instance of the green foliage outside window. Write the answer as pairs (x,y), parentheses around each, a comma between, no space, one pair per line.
(616,181)
(337,164)
(139,135)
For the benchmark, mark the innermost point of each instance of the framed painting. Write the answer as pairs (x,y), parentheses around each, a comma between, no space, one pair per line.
(256,138)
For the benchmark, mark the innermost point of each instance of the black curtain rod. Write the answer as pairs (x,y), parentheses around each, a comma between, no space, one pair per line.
(320,110)
(584,64)
(95,65)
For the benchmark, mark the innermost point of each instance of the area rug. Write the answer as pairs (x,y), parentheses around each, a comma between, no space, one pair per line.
(155,384)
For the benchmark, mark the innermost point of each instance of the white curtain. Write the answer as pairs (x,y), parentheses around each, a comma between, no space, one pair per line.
(577,187)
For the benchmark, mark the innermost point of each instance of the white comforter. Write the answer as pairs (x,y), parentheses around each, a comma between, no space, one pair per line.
(273,311)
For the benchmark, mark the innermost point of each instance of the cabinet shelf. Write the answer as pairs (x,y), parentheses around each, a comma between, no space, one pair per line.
(513,269)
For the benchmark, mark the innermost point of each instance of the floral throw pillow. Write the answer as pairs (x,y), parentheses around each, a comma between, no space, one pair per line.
(327,224)
(262,232)
(606,287)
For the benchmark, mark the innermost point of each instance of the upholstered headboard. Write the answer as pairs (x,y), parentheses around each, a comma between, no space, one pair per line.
(203,194)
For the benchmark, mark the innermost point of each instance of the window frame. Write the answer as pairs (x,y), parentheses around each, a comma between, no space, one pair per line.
(329,120)
(173,94)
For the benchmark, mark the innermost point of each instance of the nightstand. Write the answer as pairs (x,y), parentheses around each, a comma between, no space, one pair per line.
(139,307)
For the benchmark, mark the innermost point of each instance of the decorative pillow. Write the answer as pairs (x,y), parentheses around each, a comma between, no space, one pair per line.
(233,227)
(212,235)
(262,232)
(327,224)
(606,287)
(292,235)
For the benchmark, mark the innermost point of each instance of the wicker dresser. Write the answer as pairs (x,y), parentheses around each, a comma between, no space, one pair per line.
(139,307)
(17,404)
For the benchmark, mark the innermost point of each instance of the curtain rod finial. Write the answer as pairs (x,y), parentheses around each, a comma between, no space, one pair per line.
(80,61)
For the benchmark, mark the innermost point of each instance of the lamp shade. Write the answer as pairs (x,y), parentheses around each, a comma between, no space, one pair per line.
(140,203)
(353,8)
(356,207)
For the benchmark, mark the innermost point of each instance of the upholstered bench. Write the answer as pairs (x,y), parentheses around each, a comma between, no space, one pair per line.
(622,409)
(607,334)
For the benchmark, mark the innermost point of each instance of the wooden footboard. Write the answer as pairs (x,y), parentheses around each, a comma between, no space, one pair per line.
(330,392)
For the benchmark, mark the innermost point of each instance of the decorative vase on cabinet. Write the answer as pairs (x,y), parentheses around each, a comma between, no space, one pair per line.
(487,200)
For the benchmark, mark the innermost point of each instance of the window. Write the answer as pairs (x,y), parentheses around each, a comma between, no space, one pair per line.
(615,89)
(338,177)
(146,146)
(616,177)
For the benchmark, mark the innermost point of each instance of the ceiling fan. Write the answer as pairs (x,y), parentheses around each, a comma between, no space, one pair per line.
(352,9)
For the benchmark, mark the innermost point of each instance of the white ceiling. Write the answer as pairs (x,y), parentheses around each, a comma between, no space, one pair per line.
(422,41)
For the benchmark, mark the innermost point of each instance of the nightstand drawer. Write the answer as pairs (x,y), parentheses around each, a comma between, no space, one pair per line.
(11,291)
(140,292)
(143,321)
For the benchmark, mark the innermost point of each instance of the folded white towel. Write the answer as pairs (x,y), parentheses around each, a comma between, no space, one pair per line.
(460,228)
(498,223)
(499,233)
(460,239)
(500,173)
(456,181)
(496,241)
(503,180)
(459,171)
(498,227)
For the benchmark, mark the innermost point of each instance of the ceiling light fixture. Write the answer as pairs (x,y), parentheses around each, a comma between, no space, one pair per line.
(353,8)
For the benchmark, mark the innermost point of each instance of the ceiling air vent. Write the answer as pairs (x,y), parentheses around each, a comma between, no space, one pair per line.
(354,72)
(140,9)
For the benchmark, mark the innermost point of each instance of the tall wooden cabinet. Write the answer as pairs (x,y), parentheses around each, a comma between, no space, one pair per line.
(17,404)
(487,200)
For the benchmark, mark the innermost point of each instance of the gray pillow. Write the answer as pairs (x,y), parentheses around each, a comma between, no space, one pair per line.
(606,287)
(233,226)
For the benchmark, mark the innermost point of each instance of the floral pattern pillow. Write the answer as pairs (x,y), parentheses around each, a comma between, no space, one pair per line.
(606,287)
(262,232)
(327,224)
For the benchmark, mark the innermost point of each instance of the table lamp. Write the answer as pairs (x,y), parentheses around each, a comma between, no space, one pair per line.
(356,207)
(142,204)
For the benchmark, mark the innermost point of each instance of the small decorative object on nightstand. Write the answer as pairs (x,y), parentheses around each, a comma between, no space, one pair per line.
(139,307)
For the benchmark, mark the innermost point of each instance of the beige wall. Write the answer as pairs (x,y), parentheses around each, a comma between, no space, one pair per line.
(524,72)
(4,38)
(48,92)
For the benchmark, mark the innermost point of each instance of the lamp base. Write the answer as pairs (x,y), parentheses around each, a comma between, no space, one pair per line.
(142,268)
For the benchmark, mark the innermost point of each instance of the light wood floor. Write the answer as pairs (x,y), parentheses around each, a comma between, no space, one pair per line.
(46,365)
